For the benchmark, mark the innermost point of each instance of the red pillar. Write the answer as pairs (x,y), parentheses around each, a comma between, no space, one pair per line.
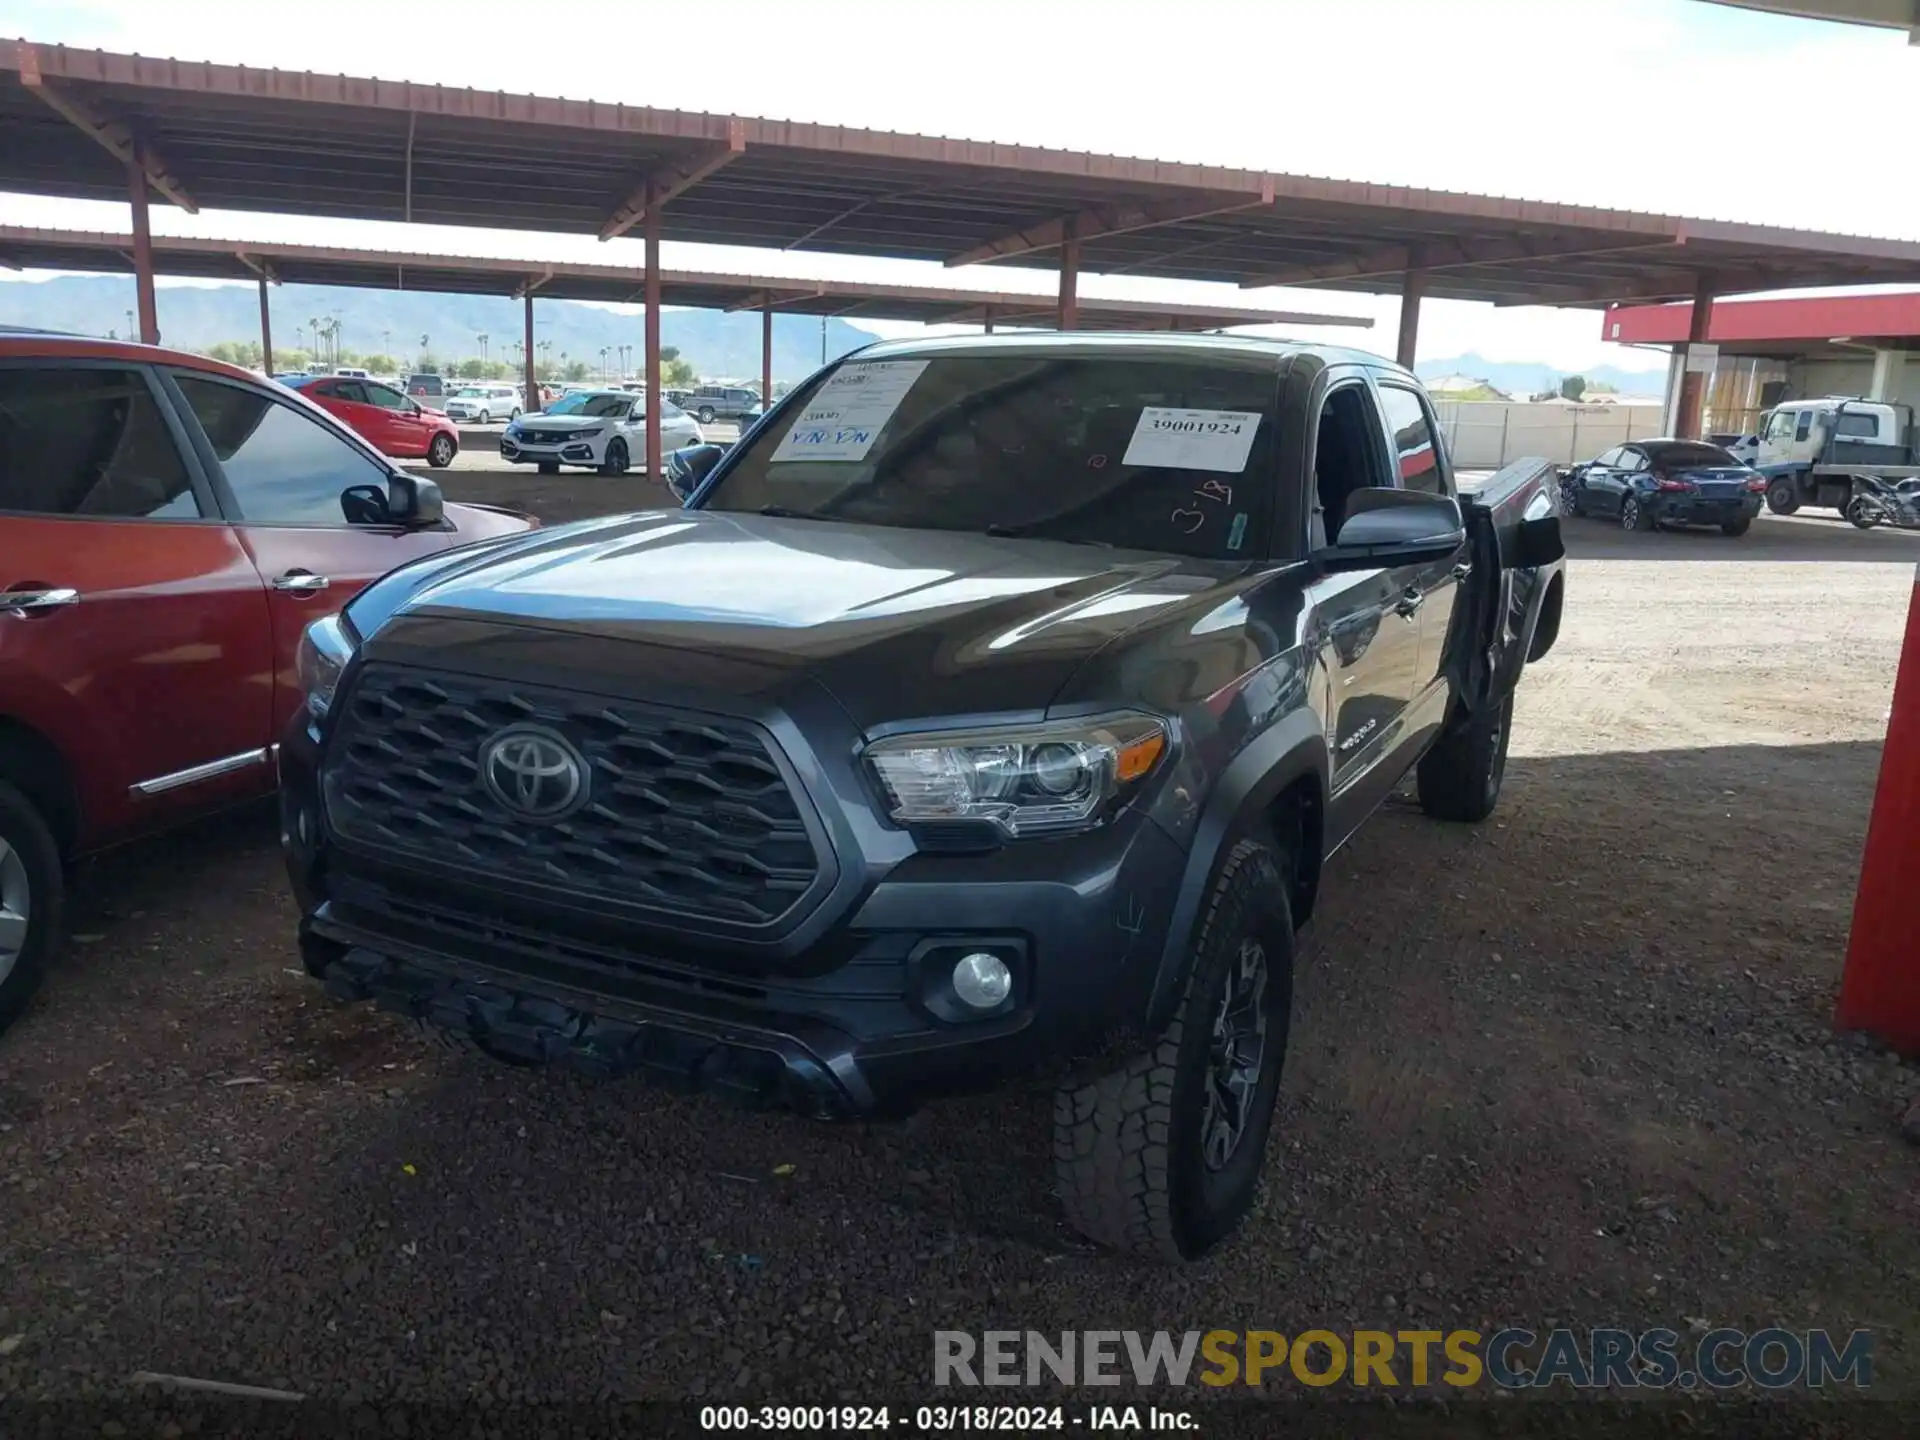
(1880,987)
(766,353)
(142,252)
(1693,386)
(530,399)
(1070,280)
(1413,289)
(655,468)
(266,330)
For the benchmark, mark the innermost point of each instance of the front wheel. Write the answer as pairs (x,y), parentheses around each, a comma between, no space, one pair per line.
(1460,776)
(440,451)
(514,416)
(1737,528)
(1634,515)
(1161,1157)
(31,894)
(616,461)
(486,417)
(1783,498)
(1861,515)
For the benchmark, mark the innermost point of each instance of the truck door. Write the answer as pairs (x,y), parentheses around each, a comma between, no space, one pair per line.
(1366,628)
(1433,588)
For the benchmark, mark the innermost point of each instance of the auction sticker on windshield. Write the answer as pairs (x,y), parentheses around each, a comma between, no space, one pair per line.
(1169,439)
(847,413)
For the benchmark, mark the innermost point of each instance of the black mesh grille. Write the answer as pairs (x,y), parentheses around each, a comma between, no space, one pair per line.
(685,812)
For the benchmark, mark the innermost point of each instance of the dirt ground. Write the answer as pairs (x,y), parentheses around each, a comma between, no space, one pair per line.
(1571,1067)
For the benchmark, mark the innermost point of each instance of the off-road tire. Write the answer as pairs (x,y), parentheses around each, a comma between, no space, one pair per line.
(616,462)
(26,836)
(1782,497)
(1127,1150)
(1737,528)
(1460,776)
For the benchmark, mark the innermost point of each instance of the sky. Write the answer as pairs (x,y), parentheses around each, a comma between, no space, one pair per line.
(1675,106)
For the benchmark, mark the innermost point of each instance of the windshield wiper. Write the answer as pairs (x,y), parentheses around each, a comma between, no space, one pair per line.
(781,512)
(1018,532)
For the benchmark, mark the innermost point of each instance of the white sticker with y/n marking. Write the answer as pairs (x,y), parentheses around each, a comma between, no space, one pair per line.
(1171,439)
(847,413)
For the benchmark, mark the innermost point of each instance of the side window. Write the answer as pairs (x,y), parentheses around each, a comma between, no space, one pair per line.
(670,411)
(89,443)
(1346,458)
(1859,426)
(283,468)
(385,398)
(1803,425)
(1632,459)
(1416,448)
(1610,459)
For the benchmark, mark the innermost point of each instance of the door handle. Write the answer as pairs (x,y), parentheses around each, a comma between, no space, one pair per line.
(1463,572)
(301,582)
(37,602)
(1409,603)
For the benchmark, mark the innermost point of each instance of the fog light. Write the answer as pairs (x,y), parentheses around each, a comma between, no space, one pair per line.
(982,981)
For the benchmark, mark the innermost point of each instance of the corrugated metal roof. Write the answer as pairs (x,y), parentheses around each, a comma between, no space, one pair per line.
(233,137)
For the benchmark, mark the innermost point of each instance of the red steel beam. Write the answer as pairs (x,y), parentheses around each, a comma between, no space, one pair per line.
(766,355)
(1069,317)
(266,328)
(653,203)
(1693,385)
(1413,286)
(1103,220)
(1449,255)
(142,253)
(114,136)
(530,396)
(663,184)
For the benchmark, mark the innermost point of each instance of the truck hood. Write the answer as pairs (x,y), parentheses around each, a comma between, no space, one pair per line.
(897,624)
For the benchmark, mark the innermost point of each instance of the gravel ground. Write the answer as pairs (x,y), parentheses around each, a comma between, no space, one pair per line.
(1572,1067)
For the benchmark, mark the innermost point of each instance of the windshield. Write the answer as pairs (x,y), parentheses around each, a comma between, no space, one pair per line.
(580,403)
(1688,456)
(470,394)
(1140,452)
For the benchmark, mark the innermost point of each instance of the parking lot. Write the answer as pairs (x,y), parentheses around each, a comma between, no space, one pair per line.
(1571,1067)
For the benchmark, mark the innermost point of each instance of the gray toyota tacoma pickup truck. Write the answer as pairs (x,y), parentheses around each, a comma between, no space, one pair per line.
(995,704)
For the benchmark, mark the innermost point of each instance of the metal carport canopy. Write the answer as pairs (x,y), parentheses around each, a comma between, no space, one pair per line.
(1888,14)
(39,249)
(232,137)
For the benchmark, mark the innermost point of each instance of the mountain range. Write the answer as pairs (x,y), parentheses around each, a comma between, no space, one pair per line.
(1521,378)
(193,317)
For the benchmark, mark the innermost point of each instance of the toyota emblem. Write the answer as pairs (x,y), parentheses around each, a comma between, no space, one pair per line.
(533,772)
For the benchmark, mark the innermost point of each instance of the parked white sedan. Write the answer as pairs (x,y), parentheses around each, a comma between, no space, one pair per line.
(603,429)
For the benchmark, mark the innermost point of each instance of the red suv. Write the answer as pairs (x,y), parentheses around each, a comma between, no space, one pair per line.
(168,527)
(393,423)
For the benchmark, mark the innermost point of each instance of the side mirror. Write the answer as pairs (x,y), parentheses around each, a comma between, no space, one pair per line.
(414,502)
(688,466)
(1394,527)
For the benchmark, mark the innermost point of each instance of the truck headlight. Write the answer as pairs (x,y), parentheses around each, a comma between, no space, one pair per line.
(325,647)
(1027,780)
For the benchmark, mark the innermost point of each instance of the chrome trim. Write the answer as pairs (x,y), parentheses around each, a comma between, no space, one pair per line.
(193,775)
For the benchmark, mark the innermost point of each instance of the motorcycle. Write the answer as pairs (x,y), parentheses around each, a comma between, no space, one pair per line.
(1875,502)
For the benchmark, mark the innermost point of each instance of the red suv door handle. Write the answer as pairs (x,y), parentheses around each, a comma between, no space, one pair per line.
(300,582)
(25,603)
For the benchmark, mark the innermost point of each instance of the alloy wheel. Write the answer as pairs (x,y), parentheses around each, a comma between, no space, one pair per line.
(1630,515)
(1236,1051)
(16,907)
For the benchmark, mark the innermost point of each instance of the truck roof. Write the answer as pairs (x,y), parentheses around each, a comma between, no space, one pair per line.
(1279,352)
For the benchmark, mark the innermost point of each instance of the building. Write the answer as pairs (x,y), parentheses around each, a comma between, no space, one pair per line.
(1766,351)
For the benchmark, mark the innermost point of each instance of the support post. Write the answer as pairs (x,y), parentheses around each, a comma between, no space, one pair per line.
(266,329)
(530,397)
(655,468)
(1880,984)
(1413,288)
(142,250)
(1693,385)
(986,325)
(766,353)
(1069,318)
(1887,368)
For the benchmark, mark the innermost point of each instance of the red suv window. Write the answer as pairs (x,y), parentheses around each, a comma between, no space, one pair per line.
(88,442)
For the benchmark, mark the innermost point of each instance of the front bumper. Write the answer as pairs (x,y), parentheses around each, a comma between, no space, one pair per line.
(1683,509)
(856,1016)
(522,450)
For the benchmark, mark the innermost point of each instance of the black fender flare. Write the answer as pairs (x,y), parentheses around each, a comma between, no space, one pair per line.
(1280,755)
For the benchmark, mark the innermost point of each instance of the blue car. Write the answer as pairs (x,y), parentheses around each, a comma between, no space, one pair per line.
(1652,483)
